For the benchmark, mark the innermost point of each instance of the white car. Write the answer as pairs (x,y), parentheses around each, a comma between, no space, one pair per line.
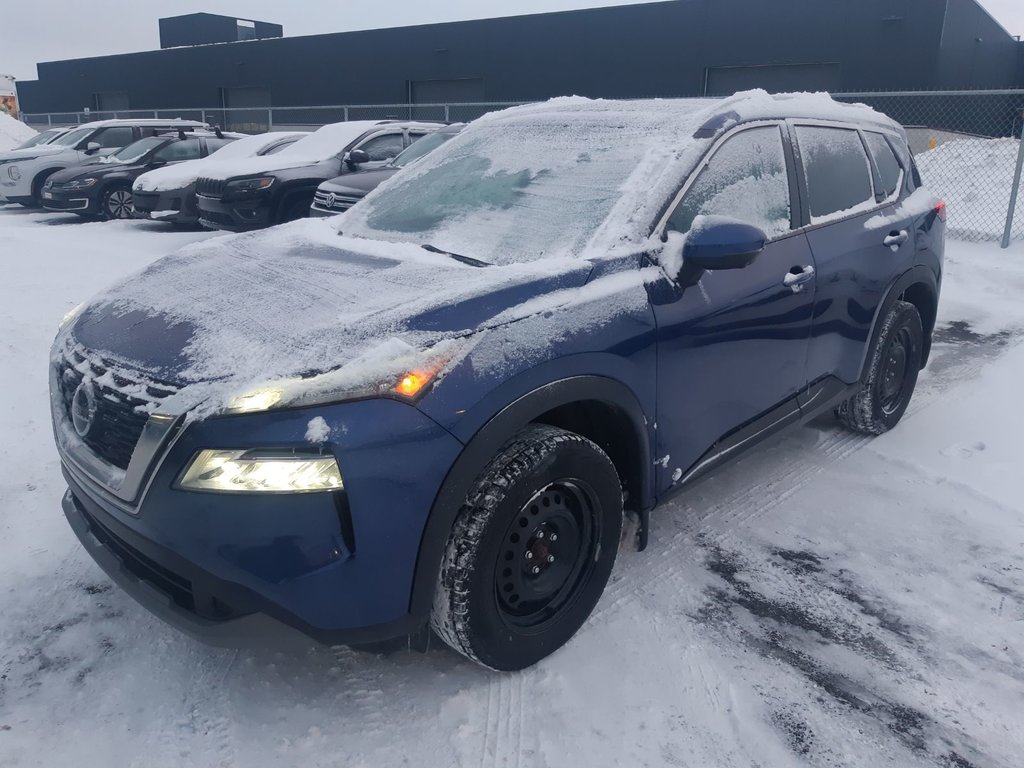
(24,171)
(169,194)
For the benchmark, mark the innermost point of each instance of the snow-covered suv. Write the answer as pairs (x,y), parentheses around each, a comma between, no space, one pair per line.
(23,172)
(435,410)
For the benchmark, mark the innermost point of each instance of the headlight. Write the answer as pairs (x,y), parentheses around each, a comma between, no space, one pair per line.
(80,184)
(14,173)
(261,472)
(249,185)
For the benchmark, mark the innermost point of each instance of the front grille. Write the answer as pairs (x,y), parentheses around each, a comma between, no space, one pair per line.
(123,402)
(210,187)
(144,202)
(178,588)
(339,203)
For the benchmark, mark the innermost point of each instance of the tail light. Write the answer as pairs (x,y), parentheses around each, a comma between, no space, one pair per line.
(940,211)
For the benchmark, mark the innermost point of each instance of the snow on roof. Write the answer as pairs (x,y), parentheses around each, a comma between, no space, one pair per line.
(180,175)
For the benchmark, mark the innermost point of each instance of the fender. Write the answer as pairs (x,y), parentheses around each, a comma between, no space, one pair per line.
(485,444)
(40,178)
(916,274)
(290,193)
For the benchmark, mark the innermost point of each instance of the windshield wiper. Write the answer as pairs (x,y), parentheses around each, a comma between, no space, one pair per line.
(457,256)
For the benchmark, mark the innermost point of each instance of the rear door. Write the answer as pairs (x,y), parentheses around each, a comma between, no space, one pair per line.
(859,247)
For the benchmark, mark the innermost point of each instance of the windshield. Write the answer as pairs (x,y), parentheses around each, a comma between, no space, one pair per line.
(135,151)
(421,147)
(39,138)
(71,138)
(506,194)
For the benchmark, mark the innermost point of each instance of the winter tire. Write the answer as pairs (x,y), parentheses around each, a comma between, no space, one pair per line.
(116,203)
(531,550)
(892,374)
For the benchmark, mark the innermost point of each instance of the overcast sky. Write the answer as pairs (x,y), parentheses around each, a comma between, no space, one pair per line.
(46,30)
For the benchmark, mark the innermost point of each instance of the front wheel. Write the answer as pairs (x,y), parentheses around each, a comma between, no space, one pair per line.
(117,203)
(892,374)
(531,550)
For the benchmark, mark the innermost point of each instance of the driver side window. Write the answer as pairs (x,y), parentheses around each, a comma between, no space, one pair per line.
(383,148)
(745,179)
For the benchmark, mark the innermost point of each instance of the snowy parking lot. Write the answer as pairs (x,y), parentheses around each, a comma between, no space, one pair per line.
(827,600)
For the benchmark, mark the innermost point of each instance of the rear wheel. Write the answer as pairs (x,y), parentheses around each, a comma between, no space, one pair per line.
(116,203)
(892,374)
(531,550)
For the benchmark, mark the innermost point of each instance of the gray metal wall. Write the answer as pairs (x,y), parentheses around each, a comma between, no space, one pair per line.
(659,49)
(206,28)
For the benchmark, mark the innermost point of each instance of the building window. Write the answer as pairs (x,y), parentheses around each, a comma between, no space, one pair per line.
(246,29)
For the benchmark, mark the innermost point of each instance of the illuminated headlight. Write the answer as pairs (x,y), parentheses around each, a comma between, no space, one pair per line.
(249,185)
(261,472)
(80,184)
(13,172)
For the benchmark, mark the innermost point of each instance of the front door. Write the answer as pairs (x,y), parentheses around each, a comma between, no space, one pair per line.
(733,347)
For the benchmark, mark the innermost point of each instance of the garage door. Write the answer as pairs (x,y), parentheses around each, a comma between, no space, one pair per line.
(776,78)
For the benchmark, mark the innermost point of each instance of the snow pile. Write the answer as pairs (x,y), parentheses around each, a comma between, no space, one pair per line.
(974,177)
(13,132)
(180,175)
(318,146)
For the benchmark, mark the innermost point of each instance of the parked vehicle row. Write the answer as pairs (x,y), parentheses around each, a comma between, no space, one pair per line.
(435,417)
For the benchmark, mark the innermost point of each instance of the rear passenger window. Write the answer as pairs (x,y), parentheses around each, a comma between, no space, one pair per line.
(745,179)
(888,166)
(837,171)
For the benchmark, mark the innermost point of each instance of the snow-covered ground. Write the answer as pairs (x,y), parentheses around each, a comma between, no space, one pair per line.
(828,600)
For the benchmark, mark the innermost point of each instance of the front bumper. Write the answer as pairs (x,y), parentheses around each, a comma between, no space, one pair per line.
(234,569)
(68,202)
(176,207)
(237,215)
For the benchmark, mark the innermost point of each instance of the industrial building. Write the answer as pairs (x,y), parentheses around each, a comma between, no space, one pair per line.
(674,48)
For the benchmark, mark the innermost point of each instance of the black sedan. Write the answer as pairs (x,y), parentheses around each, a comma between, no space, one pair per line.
(338,195)
(103,189)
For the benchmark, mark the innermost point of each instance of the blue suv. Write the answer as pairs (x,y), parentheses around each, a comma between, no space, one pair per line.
(433,412)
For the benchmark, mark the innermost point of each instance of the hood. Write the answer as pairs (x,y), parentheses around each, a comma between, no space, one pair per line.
(94,170)
(300,300)
(29,152)
(361,183)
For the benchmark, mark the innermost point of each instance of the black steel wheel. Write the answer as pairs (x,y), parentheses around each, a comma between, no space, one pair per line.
(894,364)
(117,203)
(531,550)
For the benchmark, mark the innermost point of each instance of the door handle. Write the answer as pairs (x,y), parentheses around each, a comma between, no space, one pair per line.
(896,239)
(798,277)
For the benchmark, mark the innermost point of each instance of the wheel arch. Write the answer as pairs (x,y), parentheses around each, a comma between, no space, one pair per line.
(290,194)
(40,178)
(580,404)
(918,286)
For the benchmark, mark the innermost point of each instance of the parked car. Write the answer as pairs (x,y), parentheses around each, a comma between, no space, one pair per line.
(338,195)
(103,189)
(43,137)
(262,191)
(23,172)
(169,194)
(439,415)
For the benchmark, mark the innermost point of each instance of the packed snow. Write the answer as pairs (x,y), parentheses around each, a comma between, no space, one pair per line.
(974,177)
(13,132)
(179,175)
(827,600)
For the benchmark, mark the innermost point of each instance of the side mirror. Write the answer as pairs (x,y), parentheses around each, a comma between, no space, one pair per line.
(357,157)
(717,242)
(93,147)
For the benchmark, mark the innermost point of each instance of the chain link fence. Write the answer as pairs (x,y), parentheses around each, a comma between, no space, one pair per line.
(967,143)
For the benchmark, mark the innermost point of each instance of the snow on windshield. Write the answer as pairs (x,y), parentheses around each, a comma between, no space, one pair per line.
(182,174)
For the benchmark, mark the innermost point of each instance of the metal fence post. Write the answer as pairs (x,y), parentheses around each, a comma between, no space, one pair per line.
(1008,232)
(346,114)
(270,120)
(446,114)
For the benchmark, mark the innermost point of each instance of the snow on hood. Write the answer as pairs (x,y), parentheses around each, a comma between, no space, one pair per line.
(179,175)
(29,152)
(239,311)
(318,146)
